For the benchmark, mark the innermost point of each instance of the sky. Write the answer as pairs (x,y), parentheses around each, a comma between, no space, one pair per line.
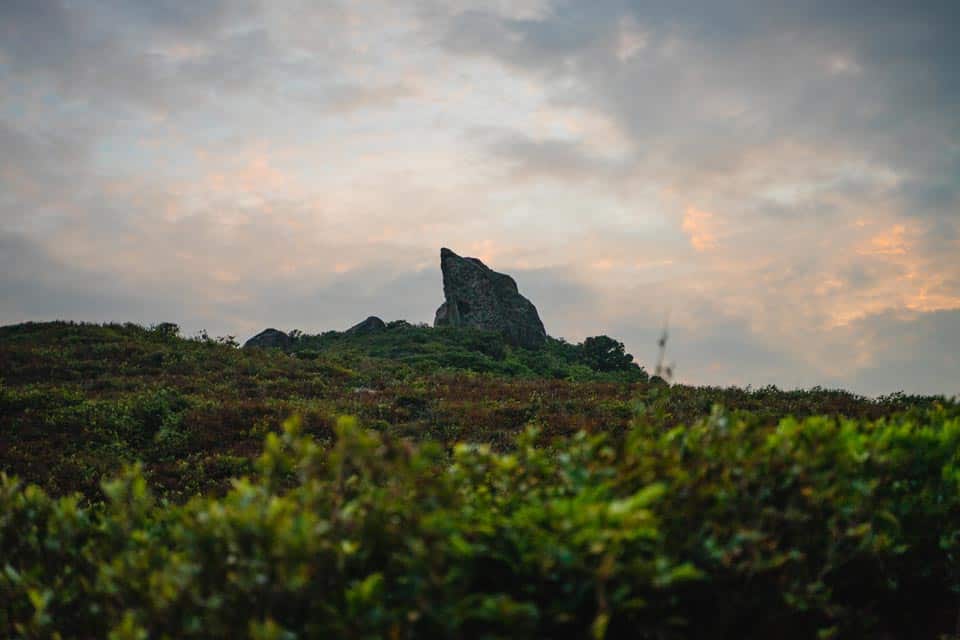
(777,181)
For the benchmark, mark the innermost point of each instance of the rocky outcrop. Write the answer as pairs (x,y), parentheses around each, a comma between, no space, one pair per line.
(373,324)
(269,339)
(477,296)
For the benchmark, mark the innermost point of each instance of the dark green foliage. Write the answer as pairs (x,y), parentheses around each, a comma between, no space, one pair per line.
(603,353)
(426,349)
(729,528)
(166,329)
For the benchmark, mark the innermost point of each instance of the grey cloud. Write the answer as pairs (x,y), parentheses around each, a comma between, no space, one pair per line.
(709,346)
(38,33)
(566,304)
(381,289)
(168,57)
(715,77)
(912,352)
(559,159)
(37,286)
(41,173)
(346,98)
(196,19)
(39,156)
(66,45)
(725,102)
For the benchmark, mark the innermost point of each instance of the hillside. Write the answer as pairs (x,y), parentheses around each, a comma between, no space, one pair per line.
(77,401)
(479,490)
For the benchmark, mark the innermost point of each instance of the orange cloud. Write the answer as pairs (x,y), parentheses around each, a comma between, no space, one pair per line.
(699,226)
(888,243)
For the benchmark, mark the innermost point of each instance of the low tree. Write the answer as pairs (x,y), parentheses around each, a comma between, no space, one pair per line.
(603,353)
(166,329)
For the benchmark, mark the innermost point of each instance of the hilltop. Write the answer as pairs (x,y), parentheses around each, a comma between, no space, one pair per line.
(77,401)
(480,490)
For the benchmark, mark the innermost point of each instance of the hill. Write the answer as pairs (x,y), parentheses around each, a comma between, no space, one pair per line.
(77,401)
(478,491)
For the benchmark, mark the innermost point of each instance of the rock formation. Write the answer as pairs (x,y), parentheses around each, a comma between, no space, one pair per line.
(269,339)
(477,296)
(370,325)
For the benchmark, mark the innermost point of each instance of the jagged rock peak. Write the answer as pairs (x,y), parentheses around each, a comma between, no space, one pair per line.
(477,296)
(370,325)
(269,339)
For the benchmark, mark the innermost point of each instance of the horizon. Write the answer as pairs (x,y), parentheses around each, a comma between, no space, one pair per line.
(780,185)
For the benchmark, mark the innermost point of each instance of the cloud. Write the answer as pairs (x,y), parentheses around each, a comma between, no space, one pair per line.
(715,81)
(698,225)
(553,159)
(782,179)
(913,352)
(37,286)
(788,125)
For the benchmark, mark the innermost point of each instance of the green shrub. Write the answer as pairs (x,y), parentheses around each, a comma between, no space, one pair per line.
(158,412)
(727,528)
(603,353)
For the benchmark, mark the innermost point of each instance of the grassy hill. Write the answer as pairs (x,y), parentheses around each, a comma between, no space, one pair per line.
(476,491)
(78,401)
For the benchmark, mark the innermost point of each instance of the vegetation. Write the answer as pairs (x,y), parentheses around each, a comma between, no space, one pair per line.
(726,529)
(425,349)
(79,401)
(543,496)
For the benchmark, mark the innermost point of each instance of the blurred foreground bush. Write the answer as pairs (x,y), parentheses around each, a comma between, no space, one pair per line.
(725,529)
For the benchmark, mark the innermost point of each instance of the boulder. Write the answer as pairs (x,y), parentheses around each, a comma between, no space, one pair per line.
(477,296)
(373,324)
(269,339)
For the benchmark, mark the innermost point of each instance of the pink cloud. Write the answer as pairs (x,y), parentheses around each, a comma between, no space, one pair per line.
(700,226)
